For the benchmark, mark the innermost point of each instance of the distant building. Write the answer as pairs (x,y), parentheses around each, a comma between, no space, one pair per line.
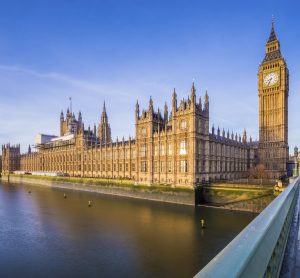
(11,158)
(43,138)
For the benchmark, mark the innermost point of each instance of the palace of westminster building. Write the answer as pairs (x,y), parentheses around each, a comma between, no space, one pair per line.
(170,148)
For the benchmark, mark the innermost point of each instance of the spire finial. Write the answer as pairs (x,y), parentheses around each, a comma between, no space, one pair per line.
(166,113)
(273,21)
(206,96)
(206,101)
(193,93)
(137,109)
(150,102)
(70,99)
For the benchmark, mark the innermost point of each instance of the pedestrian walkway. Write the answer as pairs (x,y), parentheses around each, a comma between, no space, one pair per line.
(291,261)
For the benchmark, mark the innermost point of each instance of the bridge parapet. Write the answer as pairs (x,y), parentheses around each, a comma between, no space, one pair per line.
(258,250)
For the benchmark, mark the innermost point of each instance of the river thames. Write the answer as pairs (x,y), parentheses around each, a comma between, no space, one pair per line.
(43,234)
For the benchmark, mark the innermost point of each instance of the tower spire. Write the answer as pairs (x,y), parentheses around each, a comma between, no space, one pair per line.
(137,110)
(272,46)
(104,130)
(104,108)
(150,104)
(272,36)
(193,93)
(174,102)
(206,101)
(166,113)
(70,99)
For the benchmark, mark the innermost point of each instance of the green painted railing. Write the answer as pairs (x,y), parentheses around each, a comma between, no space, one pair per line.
(258,250)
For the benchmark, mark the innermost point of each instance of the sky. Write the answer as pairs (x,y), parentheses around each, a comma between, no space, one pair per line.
(121,51)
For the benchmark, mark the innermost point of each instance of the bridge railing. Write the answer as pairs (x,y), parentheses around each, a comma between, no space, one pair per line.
(258,250)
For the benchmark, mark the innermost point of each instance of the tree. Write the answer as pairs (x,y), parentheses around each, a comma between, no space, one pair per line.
(258,172)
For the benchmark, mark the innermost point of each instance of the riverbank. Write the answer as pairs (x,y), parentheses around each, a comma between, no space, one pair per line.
(125,188)
(240,197)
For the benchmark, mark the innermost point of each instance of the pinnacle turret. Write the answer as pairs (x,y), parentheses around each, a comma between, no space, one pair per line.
(193,93)
(104,108)
(245,136)
(150,104)
(166,112)
(174,101)
(137,110)
(104,131)
(206,101)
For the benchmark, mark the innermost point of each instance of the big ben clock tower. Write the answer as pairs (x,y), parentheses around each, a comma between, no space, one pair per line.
(273,89)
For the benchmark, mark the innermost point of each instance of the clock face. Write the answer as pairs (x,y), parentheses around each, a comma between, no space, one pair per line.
(271,79)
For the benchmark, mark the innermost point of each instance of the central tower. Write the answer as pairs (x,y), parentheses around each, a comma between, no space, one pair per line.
(104,131)
(273,89)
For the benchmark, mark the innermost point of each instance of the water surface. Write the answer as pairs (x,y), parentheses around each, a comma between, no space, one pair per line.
(44,235)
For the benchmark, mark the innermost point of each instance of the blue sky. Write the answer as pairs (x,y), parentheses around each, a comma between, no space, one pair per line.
(119,51)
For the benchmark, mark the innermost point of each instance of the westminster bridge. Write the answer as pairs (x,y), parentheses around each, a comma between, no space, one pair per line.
(268,247)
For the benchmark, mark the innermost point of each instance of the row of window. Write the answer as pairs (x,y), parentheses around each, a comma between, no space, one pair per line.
(182,126)
(218,150)
(214,166)
(218,166)
(108,155)
(183,150)
(272,48)
(271,66)
(104,167)
(270,89)
(160,167)
(69,157)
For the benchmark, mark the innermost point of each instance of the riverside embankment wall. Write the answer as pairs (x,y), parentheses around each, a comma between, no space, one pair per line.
(253,198)
(179,197)
(241,197)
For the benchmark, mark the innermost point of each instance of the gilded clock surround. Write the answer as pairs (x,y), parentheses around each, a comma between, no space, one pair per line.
(271,79)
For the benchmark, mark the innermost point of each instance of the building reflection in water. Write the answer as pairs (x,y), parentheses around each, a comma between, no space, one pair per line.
(44,234)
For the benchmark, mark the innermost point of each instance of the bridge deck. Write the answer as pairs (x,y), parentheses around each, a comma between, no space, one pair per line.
(291,261)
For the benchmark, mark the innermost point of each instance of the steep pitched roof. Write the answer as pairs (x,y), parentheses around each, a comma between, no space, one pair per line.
(272,36)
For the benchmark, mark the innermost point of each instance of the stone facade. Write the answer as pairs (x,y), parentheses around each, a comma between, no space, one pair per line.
(10,158)
(174,148)
(273,89)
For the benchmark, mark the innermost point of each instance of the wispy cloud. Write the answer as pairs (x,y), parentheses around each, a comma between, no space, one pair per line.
(31,106)
(54,76)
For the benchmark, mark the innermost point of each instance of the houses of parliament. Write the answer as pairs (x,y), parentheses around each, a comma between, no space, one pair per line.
(173,147)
